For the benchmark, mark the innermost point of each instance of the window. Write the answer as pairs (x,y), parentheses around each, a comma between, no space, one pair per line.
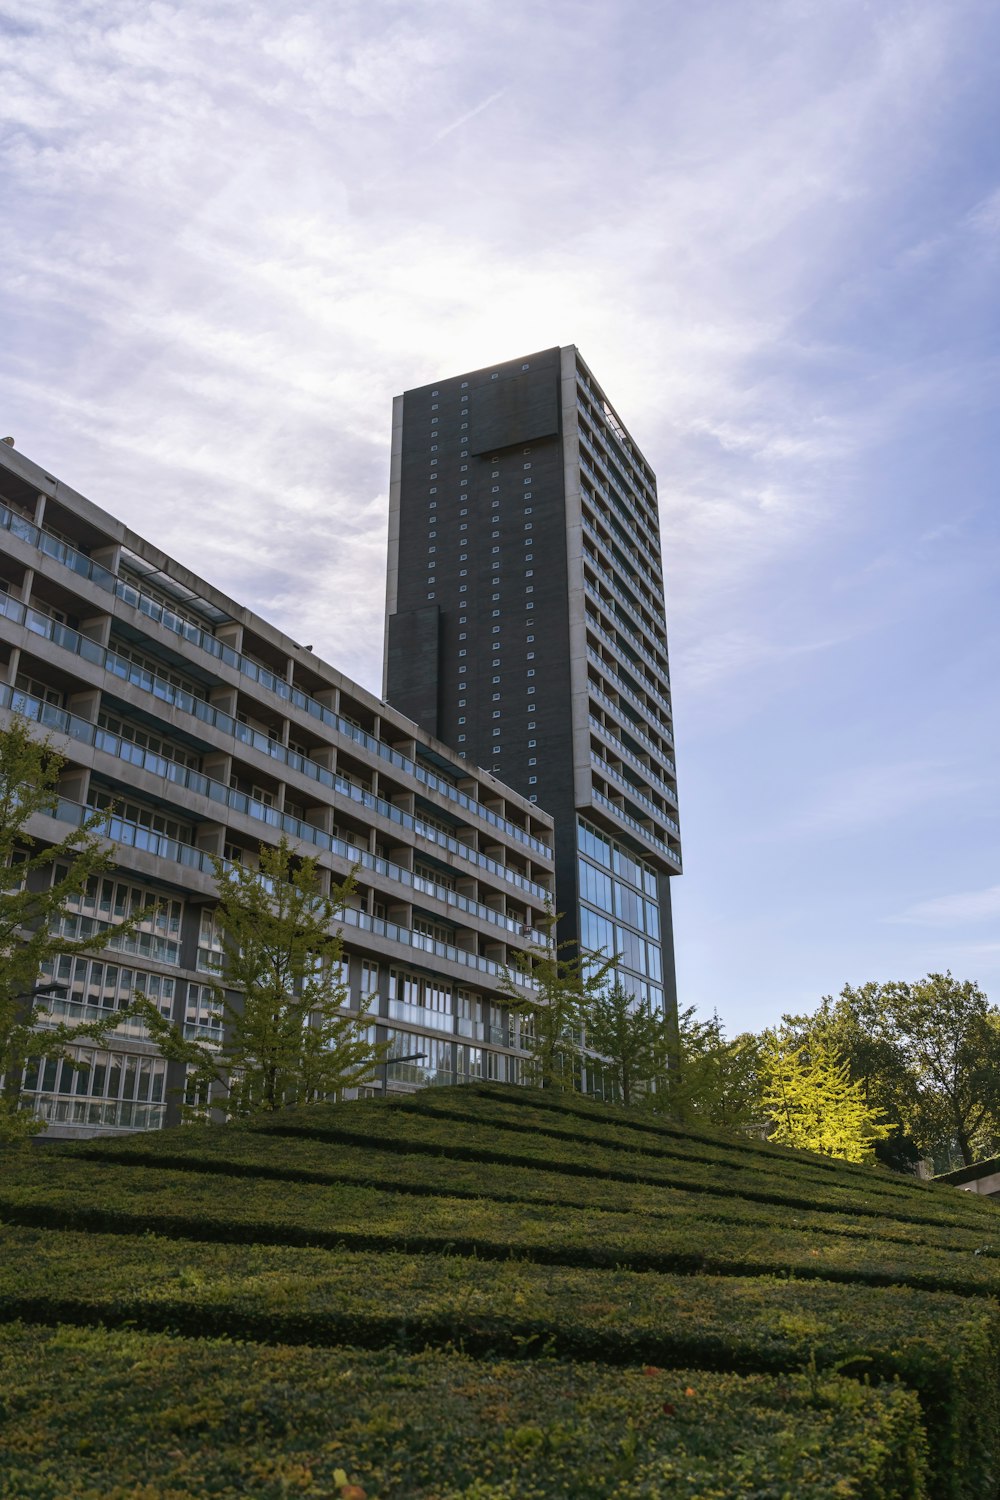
(532,760)
(529,510)
(532,780)
(461,718)
(461,738)
(526,466)
(531,671)
(496,715)
(496,697)
(532,744)
(531,654)
(530,638)
(463,651)
(496,679)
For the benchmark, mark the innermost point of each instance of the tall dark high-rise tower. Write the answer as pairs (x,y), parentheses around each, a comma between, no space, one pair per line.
(525,628)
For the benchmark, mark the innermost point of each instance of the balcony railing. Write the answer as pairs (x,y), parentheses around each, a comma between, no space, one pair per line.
(133,835)
(155,610)
(119,666)
(649,772)
(633,791)
(646,834)
(633,728)
(116,1114)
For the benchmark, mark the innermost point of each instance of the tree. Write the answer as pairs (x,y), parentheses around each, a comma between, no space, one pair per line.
(854,1026)
(949,1035)
(564,992)
(632,1042)
(33,897)
(811,1101)
(285,1040)
(716,1080)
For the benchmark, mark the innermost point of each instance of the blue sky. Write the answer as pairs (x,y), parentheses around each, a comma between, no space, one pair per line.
(232,231)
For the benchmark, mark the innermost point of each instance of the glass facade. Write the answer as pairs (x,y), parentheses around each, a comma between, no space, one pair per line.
(619,912)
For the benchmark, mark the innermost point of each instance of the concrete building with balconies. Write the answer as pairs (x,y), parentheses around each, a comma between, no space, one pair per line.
(201,730)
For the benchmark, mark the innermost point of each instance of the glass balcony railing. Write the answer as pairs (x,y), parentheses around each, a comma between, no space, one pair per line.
(123,831)
(54,547)
(168,692)
(649,772)
(633,791)
(155,610)
(649,838)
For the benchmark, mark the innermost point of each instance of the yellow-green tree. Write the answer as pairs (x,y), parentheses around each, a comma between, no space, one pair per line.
(811,1102)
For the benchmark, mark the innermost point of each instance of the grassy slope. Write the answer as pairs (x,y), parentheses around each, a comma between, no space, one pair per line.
(805,1327)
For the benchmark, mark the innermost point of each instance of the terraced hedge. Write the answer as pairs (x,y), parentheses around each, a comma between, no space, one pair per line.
(490,1294)
(261,1419)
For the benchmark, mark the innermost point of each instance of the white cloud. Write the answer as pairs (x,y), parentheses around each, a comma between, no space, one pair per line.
(962,907)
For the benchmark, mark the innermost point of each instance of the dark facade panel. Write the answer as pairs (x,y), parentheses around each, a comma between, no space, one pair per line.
(514,409)
(413,651)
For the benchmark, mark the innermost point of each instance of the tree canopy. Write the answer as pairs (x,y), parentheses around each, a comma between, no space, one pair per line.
(37,884)
(556,1010)
(286,1037)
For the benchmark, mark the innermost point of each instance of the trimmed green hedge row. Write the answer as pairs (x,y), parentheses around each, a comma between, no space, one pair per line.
(90,1413)
(943,1347)
(483,1142)
(234,1151)
(654,1126)
(78,1194)
(801,1167)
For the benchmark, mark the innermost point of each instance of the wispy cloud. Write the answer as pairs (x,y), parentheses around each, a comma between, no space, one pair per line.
(230,234)
(964,907)
(470,114)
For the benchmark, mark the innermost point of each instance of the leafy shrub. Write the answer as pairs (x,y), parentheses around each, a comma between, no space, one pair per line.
(943,1347)
(225,1419)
